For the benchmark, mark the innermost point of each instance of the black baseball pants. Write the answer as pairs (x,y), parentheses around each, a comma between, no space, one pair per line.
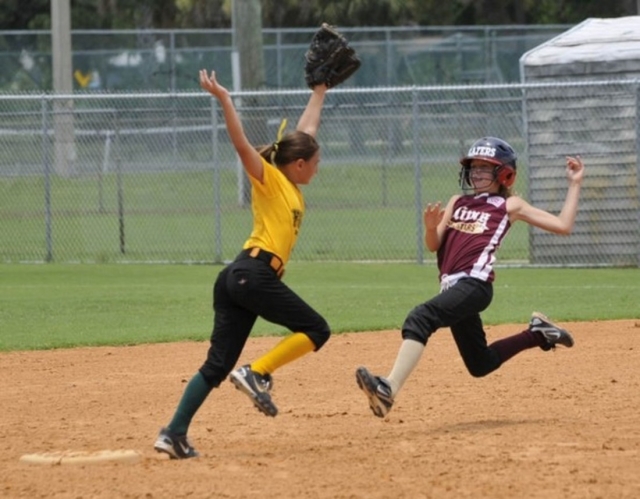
(458,308)
(245,290)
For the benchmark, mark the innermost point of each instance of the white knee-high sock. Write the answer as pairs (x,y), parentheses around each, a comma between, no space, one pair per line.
(406,361)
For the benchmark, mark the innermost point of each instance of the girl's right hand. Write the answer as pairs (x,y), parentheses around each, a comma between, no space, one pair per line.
(432,216)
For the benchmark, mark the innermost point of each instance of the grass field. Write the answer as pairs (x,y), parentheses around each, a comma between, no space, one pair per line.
(354,212)
(55,305)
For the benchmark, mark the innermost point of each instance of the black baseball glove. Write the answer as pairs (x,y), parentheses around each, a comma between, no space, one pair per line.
(329,59)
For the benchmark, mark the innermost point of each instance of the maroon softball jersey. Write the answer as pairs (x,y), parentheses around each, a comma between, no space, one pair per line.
(473,235)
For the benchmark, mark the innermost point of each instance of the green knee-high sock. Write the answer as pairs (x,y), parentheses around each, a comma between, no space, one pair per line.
(194,395)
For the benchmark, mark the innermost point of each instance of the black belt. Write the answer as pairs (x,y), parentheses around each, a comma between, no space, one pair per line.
(270,259)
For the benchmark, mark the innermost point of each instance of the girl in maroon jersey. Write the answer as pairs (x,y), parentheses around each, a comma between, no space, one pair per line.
(466,235)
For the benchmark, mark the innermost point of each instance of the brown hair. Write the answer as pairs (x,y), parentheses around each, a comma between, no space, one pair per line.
(505,192)
(293,146)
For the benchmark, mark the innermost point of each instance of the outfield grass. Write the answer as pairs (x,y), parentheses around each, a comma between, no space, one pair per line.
(55,305)
(354,212)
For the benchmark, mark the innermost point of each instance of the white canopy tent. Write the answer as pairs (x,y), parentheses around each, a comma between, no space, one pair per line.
(587,103)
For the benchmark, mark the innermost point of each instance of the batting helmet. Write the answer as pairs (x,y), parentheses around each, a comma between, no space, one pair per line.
(495,151)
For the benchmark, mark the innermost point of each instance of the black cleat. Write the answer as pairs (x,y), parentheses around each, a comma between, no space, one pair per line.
(177,446)
(377,390)
(257,387)
(551,333)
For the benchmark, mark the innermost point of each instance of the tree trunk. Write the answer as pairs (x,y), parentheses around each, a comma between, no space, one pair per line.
(249,44)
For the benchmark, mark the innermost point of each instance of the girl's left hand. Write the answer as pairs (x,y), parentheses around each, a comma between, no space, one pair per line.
(210,84)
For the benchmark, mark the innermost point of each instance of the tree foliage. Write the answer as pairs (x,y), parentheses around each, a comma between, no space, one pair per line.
(144,14)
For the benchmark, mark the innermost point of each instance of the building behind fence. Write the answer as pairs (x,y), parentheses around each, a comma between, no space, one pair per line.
(153,176)
(590,119)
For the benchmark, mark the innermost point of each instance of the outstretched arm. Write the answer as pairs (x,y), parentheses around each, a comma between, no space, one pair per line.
(309,122)
(249,157)
(519,209)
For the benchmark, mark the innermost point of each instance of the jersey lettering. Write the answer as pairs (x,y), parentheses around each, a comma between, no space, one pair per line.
(297,220)
(469,221)
(464,214)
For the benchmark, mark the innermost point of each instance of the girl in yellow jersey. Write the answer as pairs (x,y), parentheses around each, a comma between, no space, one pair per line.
(250,287)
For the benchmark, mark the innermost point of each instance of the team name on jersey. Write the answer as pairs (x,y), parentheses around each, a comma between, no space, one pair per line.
(297,220)
(470,221)
(486,151)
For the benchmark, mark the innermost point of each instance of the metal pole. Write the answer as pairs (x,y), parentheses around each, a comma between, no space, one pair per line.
(638,162)
(417,178)
(390,74)
(217,198)
(172,59)
(47,181)
(174,100)
(120,189)
(279,57)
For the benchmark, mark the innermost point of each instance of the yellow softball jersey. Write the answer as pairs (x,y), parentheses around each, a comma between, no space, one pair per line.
(278,209)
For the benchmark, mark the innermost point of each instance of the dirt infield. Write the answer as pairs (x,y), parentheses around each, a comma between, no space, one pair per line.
(563,424)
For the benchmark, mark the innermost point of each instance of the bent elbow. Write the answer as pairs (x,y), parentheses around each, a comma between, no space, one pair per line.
(432,248)
(568,228)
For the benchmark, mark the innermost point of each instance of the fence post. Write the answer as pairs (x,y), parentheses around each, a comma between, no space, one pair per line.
(526,155)
(217,202)
(172,59)
(637,83)
(279,58)
(119,186)
(390,73)
(417,177)
(46,163)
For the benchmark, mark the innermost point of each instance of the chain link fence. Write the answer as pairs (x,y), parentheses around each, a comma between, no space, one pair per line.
(167,60)
(154,178)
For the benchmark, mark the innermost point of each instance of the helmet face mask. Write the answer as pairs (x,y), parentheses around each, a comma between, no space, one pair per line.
(480,177)
(494,151)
